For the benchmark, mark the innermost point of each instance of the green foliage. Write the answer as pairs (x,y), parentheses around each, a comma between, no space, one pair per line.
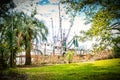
(102,14)
(5,5)
(17,31)
(28,30)
(16,34)
(69,55)
(7,42)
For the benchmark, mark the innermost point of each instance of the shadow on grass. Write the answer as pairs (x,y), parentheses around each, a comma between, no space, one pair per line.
(104,76)
(12,75)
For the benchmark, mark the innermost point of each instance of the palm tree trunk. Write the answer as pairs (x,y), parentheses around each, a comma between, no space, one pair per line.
(44,55)
(28,46)
(27,51)
(18,40)
(28,56)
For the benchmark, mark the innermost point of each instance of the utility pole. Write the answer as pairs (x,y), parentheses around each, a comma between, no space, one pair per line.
(60,26)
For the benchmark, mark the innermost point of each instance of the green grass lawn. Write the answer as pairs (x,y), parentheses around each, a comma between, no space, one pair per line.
(96,70)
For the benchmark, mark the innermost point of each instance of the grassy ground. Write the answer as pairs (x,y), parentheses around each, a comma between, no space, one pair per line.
(97,70)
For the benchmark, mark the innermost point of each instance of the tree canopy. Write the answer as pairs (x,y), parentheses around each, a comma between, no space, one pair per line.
(17,33)
(102,14)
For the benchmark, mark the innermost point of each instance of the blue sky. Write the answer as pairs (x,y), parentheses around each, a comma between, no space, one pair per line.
(48,2)
(44,2)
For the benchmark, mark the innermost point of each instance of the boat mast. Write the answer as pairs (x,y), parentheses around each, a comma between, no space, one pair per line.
(60,26)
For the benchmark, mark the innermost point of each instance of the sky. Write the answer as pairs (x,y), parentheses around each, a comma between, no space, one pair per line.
(47,9)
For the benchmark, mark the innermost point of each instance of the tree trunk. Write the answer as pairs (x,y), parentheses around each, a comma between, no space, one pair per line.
(13,57)
(1,61)
(44,54)
(11,60)
(28,56)
(28,45)
(27,51)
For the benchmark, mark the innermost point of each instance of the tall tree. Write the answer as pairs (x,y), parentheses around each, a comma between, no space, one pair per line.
(30,29)
(101,14)
(17,31)
(5,32)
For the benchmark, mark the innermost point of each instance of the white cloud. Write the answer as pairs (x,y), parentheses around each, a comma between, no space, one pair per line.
(54,1)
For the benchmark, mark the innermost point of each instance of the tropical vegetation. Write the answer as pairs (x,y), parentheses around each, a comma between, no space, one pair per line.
(18,31)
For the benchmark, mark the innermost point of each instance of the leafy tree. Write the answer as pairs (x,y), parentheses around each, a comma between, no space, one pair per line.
(8,41)
(5,5)
(5,33)
(19,31)
(102,14)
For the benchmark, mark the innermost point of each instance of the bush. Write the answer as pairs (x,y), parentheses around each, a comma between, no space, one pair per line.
(69,55)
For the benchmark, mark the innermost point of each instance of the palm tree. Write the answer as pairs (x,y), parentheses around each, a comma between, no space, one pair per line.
(29,30)
(19,33)
(16,32)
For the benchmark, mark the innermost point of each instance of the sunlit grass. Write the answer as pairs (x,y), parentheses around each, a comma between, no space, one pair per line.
(97,70)
(109,62)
